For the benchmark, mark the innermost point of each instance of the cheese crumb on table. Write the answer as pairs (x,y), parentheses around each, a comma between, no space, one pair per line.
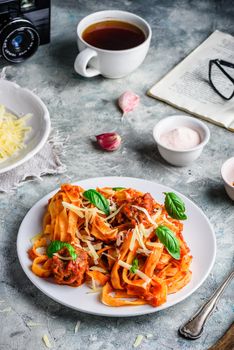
(47,341)
(138,340)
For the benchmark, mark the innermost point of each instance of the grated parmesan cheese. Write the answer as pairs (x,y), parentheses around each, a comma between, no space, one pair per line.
(46,341)
(155,216)
(36,237)
(63,257)
(143,251)
(7,309)
(138,272)
(140,238)
(154,244)
(138,340)
(115,213)
(146,214)
(77,326)
(97,290)
(148,336)
(98,246)
(133,239)
(138,234)
(33,324)
(167,221)
(92,252)
(97,268)
(84,238)
(109,256)
(146,231)
(87,213)
(80,211)
(12,133)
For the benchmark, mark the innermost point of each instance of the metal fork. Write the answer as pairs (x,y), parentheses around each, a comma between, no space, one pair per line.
(193,328)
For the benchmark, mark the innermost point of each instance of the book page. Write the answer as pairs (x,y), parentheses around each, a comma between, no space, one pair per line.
(187,86)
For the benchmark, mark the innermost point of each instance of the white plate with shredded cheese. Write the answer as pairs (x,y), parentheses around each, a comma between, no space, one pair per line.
(197,232)
(24,125)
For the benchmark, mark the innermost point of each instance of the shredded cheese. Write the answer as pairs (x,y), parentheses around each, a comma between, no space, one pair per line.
(154,244)
(80,211)
(148,336)
(63,257)
(146,214)
(144,251)
(97,246)
(167,221)
(140,237)
(155,216)
(77,326)
(138,234)
(46,341)
(93,252)
(36,237)
(138,272)
(133,239)
(146,231)
(84,238)
(115,213)
(41,250)
(97,268)
(97,290)
(138,340)
(12,133)
(7,309)
(120,238)
(109,256)
(33,324)
(87,213)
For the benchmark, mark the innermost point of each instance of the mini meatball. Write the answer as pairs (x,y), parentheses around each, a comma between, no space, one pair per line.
(70,272)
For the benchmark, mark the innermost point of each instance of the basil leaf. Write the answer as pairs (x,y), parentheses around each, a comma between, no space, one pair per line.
(175,206)
(118,188)
(135,266)
(55,246)
(98,200)
(169,240)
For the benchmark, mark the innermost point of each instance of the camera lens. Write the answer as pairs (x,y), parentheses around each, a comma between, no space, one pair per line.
(19,40)
(16,41)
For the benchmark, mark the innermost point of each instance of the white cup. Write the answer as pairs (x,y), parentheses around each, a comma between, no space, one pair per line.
(92,61)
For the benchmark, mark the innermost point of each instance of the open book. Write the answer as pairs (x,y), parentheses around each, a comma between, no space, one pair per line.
(187,86)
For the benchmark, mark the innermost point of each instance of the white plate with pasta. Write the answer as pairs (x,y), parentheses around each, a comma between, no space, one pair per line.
(142,248)
(26,121)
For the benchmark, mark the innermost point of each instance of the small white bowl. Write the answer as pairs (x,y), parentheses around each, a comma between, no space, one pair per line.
(21,101)
(227,172)
(180,157)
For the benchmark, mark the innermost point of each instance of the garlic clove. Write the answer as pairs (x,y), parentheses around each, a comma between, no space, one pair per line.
(128,101)
(109,141)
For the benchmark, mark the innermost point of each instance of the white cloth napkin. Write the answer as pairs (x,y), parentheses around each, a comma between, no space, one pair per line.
(44,162)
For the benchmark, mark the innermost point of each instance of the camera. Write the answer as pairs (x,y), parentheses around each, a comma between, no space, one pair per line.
(24,25)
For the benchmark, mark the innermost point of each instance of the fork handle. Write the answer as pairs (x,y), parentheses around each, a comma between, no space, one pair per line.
(194,327)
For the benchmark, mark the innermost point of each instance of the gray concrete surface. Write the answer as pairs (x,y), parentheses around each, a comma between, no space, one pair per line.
(82,107)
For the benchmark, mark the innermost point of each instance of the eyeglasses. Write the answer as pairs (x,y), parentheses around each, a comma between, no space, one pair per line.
(220,78)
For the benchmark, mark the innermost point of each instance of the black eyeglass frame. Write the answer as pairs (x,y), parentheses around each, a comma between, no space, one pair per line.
(219,64)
